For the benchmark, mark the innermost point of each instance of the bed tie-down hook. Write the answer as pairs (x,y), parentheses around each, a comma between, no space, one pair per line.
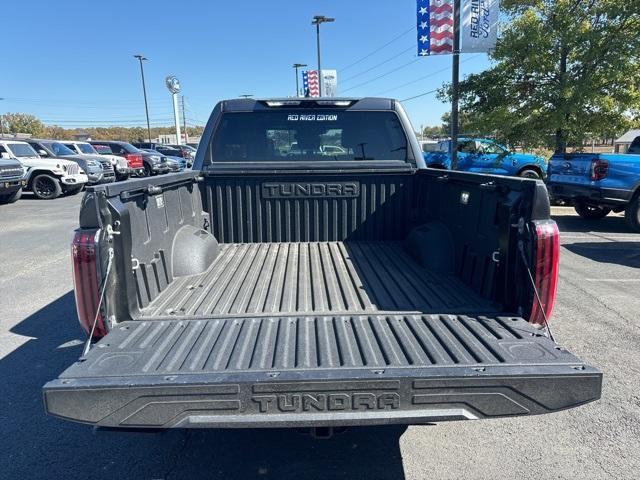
(111,230)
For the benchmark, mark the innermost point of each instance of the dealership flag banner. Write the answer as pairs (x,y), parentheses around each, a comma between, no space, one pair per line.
(329,83)
(311,83)
(479,25)
(435,27)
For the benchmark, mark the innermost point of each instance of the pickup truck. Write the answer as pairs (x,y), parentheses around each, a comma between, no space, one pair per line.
(486,156)
(11,181)
(598,183)
(264,289)
(125,150)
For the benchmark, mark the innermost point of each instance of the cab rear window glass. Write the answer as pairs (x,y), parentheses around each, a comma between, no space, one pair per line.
(300,135)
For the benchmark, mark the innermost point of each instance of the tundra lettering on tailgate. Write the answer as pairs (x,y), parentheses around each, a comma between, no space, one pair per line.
(322,402)
(310,190)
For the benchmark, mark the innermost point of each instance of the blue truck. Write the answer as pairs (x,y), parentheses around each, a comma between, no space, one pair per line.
(482,155)
(598,183)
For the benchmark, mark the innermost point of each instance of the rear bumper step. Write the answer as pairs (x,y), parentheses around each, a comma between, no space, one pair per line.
(387,369)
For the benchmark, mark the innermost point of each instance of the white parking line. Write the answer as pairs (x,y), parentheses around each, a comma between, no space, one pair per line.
(612,280)
(607,237)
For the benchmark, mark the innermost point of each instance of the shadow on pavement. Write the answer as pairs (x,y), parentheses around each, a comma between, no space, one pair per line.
(609,224)
(45,447)
(619,253)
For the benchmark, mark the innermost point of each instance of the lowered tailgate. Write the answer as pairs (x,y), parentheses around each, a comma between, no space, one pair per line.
(319,371)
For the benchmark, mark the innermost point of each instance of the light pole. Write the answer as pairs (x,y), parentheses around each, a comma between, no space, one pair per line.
(317,20)
(144,91)
(1,121)
(173,85)
(297,66)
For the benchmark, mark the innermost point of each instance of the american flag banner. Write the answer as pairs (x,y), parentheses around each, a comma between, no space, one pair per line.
(435,27)
(311,83)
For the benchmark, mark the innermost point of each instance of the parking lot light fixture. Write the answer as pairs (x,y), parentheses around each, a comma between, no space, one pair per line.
(317,20)
(142,58)
(297,66)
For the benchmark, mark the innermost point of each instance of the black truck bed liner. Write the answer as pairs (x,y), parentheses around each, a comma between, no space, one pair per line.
(319,371)
(319,277)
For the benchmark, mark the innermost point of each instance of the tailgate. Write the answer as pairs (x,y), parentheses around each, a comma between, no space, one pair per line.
(571,168)
(319,371)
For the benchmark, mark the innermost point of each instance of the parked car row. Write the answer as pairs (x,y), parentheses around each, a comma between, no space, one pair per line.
(594,183)
(50,168)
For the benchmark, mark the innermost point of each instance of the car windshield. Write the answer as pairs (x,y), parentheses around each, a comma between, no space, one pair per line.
(304,135)
(22,150)
(85,148)
(59,149)
(103,149)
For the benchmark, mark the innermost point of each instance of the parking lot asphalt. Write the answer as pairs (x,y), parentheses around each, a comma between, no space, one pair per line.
(597,317)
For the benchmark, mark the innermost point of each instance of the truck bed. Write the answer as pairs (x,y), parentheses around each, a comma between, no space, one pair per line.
(264,279)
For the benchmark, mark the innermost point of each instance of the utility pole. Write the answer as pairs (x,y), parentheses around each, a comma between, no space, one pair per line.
(317,20)
(144,91)
(297,66)
(184,123)
(455,81)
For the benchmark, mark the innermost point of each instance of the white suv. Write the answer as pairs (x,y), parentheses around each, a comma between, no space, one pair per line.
(46,178)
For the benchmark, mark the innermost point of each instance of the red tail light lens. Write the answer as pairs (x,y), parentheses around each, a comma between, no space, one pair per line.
(599,169)
(134,159)
(85,280)
(545,270)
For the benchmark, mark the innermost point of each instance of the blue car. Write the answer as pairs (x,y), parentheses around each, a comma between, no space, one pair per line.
(483,155)
(598,183)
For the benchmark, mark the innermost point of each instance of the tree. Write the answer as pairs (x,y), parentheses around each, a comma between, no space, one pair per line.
(22,123)
(435,131)
(55,132)
(29,124)
(564,70)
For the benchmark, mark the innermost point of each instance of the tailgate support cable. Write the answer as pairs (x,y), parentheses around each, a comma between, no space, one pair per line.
(525,260)
(87,345)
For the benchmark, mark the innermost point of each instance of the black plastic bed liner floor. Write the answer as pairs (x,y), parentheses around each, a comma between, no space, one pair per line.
(324,277)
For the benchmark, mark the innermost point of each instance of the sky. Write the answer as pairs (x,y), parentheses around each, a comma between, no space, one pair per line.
(71,62)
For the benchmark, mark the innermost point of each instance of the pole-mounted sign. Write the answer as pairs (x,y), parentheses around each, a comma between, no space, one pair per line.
(440,32)
(173,85)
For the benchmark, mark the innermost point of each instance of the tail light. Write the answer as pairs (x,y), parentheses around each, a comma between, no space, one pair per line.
(545,270)
(599,169)
(134,159)
(84,252)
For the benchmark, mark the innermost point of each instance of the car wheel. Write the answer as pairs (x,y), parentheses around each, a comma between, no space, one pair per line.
(591,212)
(73,190)
(11,197)
(147,170)
(632,214)
(46,187)
(122,178)
(529,173)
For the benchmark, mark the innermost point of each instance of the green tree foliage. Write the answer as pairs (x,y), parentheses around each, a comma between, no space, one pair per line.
(29,124)
(22,123)
(564,70)
(435,131)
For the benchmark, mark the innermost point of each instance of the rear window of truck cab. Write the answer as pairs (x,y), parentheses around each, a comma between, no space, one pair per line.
(308,135)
